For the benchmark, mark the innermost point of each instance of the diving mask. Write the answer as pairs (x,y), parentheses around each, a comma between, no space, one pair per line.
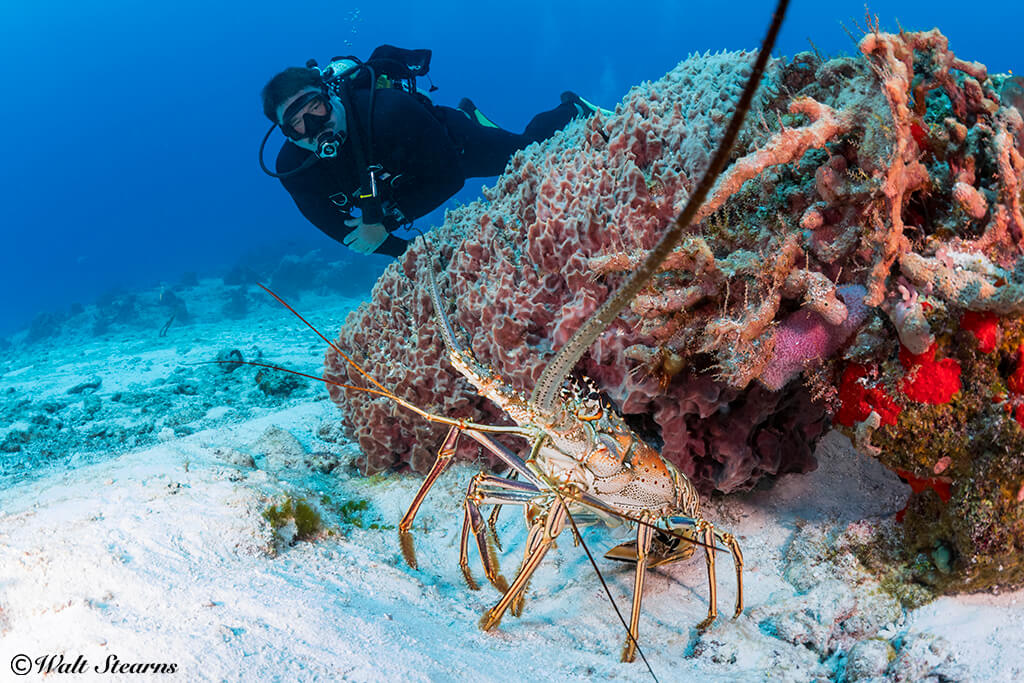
(311,111)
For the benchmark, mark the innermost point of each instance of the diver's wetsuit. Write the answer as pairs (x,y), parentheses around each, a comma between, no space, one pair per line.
(426,152)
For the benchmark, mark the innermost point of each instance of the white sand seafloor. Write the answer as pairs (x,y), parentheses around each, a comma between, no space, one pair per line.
(160,553)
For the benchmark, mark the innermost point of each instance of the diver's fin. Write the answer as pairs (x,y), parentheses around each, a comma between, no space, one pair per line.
(583,108)
(467,107)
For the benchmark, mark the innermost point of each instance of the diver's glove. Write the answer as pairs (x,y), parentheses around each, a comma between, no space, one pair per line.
(365,237)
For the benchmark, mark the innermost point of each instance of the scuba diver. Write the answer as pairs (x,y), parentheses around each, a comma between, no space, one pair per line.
(367,152)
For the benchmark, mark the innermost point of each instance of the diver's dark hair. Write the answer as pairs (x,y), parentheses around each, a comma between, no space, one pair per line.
(285,84)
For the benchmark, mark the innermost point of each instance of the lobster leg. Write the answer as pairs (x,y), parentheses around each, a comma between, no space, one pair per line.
(644,536)
(542,536)
(492,521)
(468,518)
(729,541)
(702,529)
(445,455)
(486,489)
(707,531)
(533,540)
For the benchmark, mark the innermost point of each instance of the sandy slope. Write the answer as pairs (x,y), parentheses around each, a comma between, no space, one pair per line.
(160,554)
(140,558)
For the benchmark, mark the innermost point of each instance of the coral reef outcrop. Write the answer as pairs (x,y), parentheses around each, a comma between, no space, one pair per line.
(858,259)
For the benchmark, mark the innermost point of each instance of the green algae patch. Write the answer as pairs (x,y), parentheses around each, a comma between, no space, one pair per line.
(354,513)
(307,520)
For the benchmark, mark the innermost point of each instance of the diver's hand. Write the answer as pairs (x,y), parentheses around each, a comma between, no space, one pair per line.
(365,237)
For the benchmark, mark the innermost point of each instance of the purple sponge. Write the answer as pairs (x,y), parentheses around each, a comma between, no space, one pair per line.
(805,338)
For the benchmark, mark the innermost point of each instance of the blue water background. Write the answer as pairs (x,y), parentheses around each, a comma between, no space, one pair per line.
(131,128)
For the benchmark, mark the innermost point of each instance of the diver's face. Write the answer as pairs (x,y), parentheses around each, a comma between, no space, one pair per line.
(307,114)
(315,104)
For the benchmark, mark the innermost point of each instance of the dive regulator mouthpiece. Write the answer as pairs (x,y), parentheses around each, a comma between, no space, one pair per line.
(327,144)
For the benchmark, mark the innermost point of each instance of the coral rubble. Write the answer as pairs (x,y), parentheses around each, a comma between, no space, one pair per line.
(858,259)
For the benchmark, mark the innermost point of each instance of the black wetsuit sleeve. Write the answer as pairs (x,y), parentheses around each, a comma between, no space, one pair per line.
(409,140)
(331,222)
(311,191)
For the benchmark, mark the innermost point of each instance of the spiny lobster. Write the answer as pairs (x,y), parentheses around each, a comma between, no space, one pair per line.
(584,463)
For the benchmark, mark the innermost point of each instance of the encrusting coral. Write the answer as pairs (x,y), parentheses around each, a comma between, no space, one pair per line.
(865,238)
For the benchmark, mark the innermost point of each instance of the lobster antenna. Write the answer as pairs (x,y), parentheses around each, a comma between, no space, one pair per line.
(547,388)
(447,331)
(334,346)
(463,424)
